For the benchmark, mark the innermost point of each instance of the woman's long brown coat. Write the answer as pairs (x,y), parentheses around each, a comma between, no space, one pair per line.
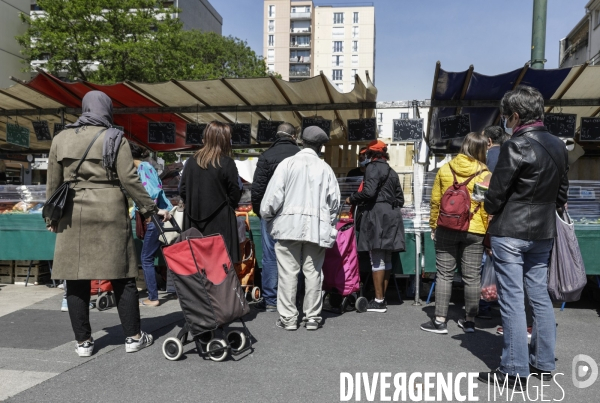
(94,239)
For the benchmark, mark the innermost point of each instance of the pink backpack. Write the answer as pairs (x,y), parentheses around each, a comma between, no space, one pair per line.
(455,206)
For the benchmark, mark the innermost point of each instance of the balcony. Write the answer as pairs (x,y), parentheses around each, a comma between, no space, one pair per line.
(300,73)
(303,45)
(300,31)
(300,59)
(300,16)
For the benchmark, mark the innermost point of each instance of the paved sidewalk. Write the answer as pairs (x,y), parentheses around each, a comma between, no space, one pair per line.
(37,358)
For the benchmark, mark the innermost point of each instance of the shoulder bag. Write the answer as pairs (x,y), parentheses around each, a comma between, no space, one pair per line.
(55,206)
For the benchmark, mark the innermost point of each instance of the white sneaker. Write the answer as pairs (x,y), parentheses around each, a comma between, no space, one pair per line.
(132,345)
(85,349)
(64,306)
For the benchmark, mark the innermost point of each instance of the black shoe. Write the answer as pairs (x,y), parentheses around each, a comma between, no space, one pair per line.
(540,374)
(264,307)
(488,377)
(434,326)
(466,325)
(375,306)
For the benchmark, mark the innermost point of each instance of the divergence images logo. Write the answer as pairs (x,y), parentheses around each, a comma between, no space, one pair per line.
(584,366)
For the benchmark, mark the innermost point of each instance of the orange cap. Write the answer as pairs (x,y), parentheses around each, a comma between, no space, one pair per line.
(363,150)
(376,145)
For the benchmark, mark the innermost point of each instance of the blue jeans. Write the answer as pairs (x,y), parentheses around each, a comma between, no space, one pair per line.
(269,266)
(151,246)
(523,264)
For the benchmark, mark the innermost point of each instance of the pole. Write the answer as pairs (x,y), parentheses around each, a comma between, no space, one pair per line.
(538,34)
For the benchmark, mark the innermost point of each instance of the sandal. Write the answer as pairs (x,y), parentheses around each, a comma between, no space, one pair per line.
(149,303)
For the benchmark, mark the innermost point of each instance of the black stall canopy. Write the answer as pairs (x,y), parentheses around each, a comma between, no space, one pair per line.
(574,90)
(237,100)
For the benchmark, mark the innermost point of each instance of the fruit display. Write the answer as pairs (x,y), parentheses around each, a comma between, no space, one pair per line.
(22,199)
(244,208)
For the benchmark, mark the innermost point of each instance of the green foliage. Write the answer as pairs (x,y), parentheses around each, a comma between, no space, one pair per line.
(103,41)
(168,157)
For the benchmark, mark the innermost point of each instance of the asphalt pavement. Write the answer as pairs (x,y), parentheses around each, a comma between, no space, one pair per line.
(38,362)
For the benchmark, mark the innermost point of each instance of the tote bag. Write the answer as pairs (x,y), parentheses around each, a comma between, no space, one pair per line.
(566,274)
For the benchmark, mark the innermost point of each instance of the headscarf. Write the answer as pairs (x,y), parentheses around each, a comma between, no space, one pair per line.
(97,110)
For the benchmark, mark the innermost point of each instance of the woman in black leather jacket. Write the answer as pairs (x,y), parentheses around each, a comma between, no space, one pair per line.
(381,227)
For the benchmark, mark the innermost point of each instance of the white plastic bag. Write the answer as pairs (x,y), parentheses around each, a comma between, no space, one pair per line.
(489,289)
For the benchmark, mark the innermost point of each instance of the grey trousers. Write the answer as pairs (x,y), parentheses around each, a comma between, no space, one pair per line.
(451,247)
(289,263)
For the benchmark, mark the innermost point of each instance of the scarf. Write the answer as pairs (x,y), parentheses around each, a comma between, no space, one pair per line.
(534,124)
(97,111)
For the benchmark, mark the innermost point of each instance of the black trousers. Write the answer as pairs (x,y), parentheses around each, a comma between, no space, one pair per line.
(126,296)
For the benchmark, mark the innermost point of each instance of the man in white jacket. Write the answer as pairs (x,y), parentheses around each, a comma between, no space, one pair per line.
(300,207)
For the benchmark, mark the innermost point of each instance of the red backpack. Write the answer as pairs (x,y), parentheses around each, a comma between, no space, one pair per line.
(455,206)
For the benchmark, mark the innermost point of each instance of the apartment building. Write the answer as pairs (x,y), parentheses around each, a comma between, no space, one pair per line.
(301,40)
(583,42)
(11,60)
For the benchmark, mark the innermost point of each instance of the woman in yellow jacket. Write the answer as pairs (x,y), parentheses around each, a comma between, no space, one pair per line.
(452,245)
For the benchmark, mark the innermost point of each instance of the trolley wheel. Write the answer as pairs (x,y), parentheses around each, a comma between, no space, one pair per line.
(103,303)
(172,348)
(237,340)
(205,337)
(256,294)
(335,300)
(361,304)
(216,344)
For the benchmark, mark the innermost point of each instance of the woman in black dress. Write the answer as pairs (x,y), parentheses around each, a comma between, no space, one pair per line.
(210,188)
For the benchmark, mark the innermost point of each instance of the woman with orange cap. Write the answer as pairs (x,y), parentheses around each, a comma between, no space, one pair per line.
(381,227)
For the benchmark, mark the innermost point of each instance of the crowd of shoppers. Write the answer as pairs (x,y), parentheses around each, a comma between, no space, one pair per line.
(298,199)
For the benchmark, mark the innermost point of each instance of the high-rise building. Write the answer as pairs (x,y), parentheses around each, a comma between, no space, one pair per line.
(302,40)
(11,60)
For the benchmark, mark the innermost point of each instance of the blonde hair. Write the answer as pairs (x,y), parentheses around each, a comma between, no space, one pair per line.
(217,144)
(475,146)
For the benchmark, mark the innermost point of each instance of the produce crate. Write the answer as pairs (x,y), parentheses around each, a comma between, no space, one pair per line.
(6,268)
(6,279)
(36,270)
(40,272)
(26,262)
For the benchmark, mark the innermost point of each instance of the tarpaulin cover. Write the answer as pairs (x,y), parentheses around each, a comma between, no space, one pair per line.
(47,91)
(481,87)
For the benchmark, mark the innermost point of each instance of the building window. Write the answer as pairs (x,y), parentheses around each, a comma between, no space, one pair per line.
(404,115)
(271,11)
(338,46)
(355,19)
(338,61)
(355,32)
(354,72)
(337,75)
(380,129)
(354,59)
(271,25)
(597,17)
(380,117)
(355,46)
(338,31)
(340,87)
(338,18)
(271,68)
(271,55)
(271,40)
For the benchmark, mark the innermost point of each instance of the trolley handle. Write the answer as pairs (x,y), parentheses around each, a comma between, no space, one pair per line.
(163,230)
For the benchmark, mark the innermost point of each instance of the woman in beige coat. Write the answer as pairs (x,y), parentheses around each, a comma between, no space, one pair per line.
(94,236)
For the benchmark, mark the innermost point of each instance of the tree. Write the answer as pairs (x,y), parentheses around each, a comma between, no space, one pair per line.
(108,41)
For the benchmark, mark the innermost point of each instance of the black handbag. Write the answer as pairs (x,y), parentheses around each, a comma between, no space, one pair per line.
(55,206)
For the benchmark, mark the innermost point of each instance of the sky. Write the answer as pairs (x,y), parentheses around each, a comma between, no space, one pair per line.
(412,35)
